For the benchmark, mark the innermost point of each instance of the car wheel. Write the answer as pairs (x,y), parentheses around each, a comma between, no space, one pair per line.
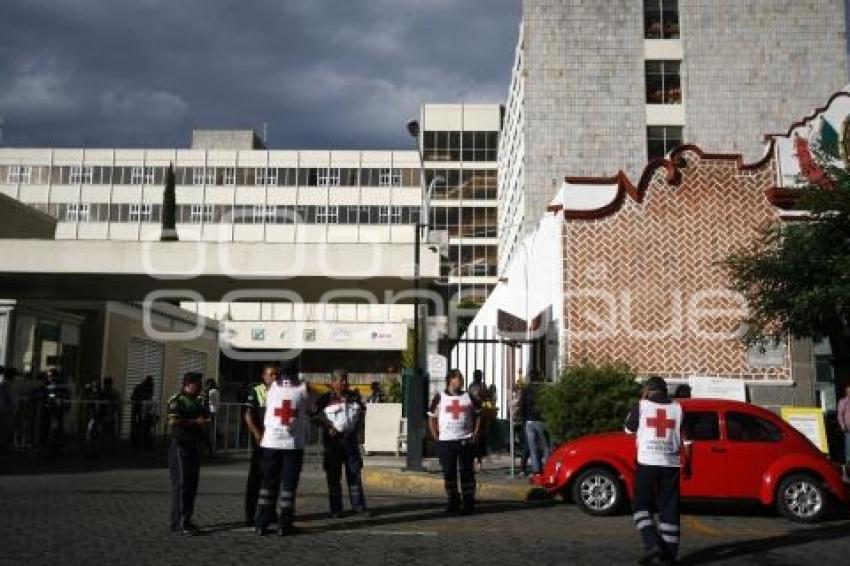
(801,498)
(598,491)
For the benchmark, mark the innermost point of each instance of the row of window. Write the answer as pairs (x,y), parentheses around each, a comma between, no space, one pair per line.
(452,184)
(470,261)
(460,146)
(661,19)
(240,214)
(467,222)
(217,176)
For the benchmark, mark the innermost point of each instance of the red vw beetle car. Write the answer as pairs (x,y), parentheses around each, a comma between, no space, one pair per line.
(740,452)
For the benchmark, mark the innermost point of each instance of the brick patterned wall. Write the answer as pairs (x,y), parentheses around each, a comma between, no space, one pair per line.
(649,256)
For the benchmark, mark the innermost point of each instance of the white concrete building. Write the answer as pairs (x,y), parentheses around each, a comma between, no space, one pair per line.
(231,189)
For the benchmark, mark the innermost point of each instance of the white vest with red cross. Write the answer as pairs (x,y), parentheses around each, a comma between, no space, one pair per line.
(455,416)
(287,418)
(659,434)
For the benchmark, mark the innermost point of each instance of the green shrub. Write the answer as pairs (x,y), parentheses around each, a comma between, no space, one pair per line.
(588,399)
(392,391)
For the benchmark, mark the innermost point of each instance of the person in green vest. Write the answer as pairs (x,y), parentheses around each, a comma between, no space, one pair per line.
(187,420)
(255,414)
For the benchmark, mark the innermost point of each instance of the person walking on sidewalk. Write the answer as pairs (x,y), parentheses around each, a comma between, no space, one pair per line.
(286,422)
(187,418)
(656,422)
(254,417)
(339,412)
(453,424)
(536,435)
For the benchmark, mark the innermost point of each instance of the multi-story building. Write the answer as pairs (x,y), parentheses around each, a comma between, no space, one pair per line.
(231,188)
(603,86)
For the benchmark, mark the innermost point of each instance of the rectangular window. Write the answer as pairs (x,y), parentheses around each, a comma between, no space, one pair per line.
(201,213)
(82,175)
(201,176)
(661,140)
(19,174)
(141,212)
(327,214)
(265,176)
(661,19)
(328,177)
(663,82)
(390,178)
(265,213)
(77,212)
(383,215)
(137,175)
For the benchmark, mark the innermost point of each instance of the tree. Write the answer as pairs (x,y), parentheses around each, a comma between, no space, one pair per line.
(796,275)
(168,232)
(588,399)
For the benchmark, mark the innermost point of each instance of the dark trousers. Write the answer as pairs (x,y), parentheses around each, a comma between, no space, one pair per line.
(343,452)
(184,463)
(658,485)
(281,470)
(253,483)
(454,455)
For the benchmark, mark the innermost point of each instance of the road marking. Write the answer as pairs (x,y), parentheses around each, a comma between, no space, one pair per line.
(389,533)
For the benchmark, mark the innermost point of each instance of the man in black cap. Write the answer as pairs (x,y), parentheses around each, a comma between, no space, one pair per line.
(656,422)
(187,419)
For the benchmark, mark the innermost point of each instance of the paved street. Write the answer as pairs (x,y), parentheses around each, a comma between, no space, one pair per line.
(119,516)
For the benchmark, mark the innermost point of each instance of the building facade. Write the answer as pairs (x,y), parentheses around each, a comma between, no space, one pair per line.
(602,86)
(231,188)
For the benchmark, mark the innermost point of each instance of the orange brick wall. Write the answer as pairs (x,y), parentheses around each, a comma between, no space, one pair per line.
(649,257)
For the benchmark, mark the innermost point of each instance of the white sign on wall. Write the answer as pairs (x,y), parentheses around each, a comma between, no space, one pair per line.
(438,366)
(716,388)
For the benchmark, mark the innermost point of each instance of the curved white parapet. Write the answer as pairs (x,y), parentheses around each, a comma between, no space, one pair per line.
(575,197)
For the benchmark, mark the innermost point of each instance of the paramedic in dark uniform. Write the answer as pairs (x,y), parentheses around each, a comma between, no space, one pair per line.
(454,424)
(255,413)
(187,419)
(286,422)
(339,412)
(656,422)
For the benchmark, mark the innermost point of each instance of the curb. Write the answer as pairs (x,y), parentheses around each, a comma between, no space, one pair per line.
(424,483)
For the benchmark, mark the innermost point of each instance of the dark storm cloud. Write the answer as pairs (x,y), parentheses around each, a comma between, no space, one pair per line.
(322,73)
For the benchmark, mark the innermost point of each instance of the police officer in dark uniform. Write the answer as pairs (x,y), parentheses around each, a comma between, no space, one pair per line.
(255,414)
(339,412)
(187,419)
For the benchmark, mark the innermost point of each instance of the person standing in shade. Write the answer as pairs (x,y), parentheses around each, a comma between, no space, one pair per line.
(376,395)
(255,414)
(187,419)
(213,399)
(339,412)
(536,438)
(286,422)
(454,426)
(843,414)
(656,421)
(480,395)
(140,401)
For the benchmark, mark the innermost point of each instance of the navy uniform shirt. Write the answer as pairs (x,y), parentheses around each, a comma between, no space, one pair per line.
(182,406)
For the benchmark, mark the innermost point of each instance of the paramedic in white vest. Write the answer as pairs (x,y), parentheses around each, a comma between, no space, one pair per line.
(339,413)
(286,422)
(454,424)
(656,421)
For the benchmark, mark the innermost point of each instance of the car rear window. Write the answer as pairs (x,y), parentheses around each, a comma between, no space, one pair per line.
(702,425)
(749,428)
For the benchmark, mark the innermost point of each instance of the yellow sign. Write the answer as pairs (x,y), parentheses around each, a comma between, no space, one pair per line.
(810,422)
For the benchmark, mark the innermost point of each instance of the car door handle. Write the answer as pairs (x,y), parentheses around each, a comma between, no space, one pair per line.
(718,449)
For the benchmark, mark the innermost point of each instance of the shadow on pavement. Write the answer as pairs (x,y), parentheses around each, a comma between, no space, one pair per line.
(388,515)
(727,551)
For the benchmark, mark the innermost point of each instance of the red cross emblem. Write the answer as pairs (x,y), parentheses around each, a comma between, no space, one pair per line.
(455,409)
(286,413)
(660,423)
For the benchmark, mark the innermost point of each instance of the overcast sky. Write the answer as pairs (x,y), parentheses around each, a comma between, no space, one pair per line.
(322,73)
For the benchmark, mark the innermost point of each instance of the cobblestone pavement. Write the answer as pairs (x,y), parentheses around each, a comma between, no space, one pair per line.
(119,516)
